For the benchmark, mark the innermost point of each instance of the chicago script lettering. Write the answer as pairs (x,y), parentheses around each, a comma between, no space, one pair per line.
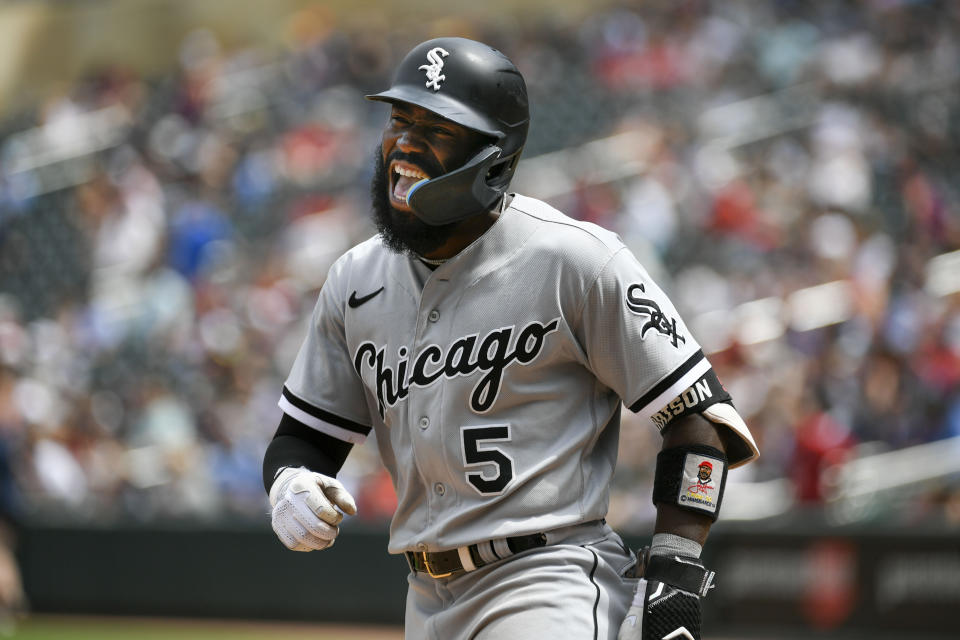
(496,351)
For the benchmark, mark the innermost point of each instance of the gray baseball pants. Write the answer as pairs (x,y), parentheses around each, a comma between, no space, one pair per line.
(571,589)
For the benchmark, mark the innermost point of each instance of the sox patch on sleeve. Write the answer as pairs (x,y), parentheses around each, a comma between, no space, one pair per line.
(640,346)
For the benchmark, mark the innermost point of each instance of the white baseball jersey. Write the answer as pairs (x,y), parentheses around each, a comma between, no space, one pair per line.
(494,383)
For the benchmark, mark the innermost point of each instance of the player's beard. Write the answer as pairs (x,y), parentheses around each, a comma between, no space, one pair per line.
(403,231)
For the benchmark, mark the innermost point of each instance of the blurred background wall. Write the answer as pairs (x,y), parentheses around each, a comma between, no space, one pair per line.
(176,177)
(50,42)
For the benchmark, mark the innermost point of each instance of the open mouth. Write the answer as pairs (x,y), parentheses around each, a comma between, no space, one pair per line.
(403,176)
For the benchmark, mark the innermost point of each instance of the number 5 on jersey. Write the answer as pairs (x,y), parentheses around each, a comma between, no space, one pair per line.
(496,466)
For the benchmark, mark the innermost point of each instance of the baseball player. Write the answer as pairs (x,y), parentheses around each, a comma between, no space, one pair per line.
(490,342)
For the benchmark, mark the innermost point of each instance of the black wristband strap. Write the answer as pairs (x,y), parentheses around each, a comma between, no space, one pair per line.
(686,574)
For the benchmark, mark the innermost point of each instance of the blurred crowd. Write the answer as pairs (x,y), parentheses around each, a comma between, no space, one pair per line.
(163,239)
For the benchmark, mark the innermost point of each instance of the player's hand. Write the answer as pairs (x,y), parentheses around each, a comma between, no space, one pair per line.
(661,612)
(666,604)
(305,512)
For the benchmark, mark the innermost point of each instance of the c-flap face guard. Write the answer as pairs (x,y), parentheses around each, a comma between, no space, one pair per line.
(459,194)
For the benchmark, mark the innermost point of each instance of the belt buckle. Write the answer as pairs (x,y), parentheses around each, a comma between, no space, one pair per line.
(430,572)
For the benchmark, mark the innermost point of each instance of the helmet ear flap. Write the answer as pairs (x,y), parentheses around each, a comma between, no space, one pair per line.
(459,194)
(501,173)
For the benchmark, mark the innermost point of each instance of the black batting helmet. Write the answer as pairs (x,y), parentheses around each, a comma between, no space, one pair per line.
(475,86)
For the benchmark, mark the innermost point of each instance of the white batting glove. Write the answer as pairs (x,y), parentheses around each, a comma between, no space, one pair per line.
(305,515)
(632,627)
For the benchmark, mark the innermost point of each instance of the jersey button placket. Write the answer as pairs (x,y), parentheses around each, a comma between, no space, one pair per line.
(428,401)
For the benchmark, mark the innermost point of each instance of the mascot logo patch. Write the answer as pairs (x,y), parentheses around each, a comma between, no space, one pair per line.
(434,78)
(658,319)
(699,490)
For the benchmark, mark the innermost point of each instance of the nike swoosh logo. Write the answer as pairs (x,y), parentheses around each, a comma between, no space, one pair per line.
(355,302)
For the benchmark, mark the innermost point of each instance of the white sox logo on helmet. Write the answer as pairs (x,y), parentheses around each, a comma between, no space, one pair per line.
(495,352)
(435,56)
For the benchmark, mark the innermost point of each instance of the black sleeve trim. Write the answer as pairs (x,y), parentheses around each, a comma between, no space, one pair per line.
(297,445)
(667,382)
(326,416)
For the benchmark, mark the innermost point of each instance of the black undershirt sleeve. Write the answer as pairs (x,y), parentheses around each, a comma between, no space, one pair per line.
(297,445)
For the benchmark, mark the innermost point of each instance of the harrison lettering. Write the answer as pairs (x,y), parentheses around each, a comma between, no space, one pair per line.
(490,354)
(693,396)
